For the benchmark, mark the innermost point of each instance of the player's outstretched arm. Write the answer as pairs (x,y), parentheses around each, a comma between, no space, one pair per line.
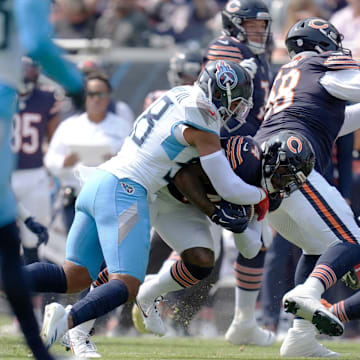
(35,35)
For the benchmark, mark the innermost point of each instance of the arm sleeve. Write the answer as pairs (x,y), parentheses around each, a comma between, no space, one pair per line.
(35,35)
(226,183)
(351,121)
(342,84)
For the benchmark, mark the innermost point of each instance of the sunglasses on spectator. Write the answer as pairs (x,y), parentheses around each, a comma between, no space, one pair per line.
(101,95)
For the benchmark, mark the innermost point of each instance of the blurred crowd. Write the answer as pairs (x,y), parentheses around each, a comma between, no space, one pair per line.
(164,23)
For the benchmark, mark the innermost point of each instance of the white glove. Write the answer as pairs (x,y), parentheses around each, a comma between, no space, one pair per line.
(250,66)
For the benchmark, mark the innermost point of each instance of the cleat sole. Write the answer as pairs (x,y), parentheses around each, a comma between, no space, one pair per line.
(291,307)
(327,325)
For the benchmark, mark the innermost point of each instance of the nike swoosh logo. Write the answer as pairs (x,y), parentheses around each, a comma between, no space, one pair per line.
(224,42)
(212,113)
(141,309)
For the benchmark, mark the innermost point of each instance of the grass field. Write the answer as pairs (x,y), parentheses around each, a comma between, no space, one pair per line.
(151,348)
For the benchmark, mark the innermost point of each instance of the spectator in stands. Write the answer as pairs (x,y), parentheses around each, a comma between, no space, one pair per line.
(181,19)
(124,23)
(347,20)
(71,145)
(296,10)
(73,19)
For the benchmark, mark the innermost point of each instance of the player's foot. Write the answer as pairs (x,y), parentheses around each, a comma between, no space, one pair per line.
(55,324)
(249,333)
(299,343)
(301,304)
(146,316)
(81,345)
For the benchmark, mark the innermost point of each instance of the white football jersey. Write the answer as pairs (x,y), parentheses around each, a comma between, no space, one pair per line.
(152,155)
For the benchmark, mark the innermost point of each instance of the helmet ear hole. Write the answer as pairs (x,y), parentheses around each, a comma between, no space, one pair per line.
(217,95)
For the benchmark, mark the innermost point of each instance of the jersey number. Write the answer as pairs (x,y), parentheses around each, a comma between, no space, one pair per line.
(283,92)
(24,129)
(4,25)
(144,125)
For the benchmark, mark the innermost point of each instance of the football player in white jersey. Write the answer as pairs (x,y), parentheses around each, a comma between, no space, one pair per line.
(20,33)
(112,214)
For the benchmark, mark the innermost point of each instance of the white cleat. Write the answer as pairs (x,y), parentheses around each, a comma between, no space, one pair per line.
(307,307)
(81,345)
(249,333)
(146,316)
(55,324)
(299,343)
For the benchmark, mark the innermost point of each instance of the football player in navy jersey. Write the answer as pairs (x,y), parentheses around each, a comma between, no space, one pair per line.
(21,32)
(246,26)
(36,120)
(309,97)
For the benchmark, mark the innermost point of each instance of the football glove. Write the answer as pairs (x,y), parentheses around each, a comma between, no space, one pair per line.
(250,66)
(39,230)
(262,207)
(231,217)
(352,278)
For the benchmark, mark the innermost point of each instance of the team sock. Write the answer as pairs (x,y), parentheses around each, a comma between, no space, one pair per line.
(46,277)
(248,275)
(335,262)
(16,289)
(99,301)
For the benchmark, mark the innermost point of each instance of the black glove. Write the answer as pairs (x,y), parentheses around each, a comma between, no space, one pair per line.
(231,217)
(38,229)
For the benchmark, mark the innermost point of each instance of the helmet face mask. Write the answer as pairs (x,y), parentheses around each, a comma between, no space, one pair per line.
(288,160)
(235,15)
(314,34)
(229,87)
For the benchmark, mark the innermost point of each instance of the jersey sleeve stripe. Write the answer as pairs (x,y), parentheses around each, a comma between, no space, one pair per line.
(225,48)
(223,57)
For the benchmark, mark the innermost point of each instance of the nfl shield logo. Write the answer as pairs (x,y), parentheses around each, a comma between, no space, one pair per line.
(225,75)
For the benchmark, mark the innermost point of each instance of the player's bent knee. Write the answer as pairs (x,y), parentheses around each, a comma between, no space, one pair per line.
(77,277)
(199,256)
(131,282)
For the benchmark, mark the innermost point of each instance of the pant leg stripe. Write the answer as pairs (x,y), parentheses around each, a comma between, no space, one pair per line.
(327,214)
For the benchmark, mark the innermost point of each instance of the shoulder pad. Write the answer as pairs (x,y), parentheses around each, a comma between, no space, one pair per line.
(225,48)
(340,61)
(244,155)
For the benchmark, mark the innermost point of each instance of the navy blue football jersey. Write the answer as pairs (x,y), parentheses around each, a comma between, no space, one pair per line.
(229,48)
(299,102)
(244,156)
(30,124)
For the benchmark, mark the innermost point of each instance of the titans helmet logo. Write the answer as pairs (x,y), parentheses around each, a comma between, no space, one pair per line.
(225,75)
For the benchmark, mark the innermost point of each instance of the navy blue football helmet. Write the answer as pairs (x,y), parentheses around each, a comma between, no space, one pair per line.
(234,15)
(229,87)
(288,158)
(184,67)
(314,34)
(30,76)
